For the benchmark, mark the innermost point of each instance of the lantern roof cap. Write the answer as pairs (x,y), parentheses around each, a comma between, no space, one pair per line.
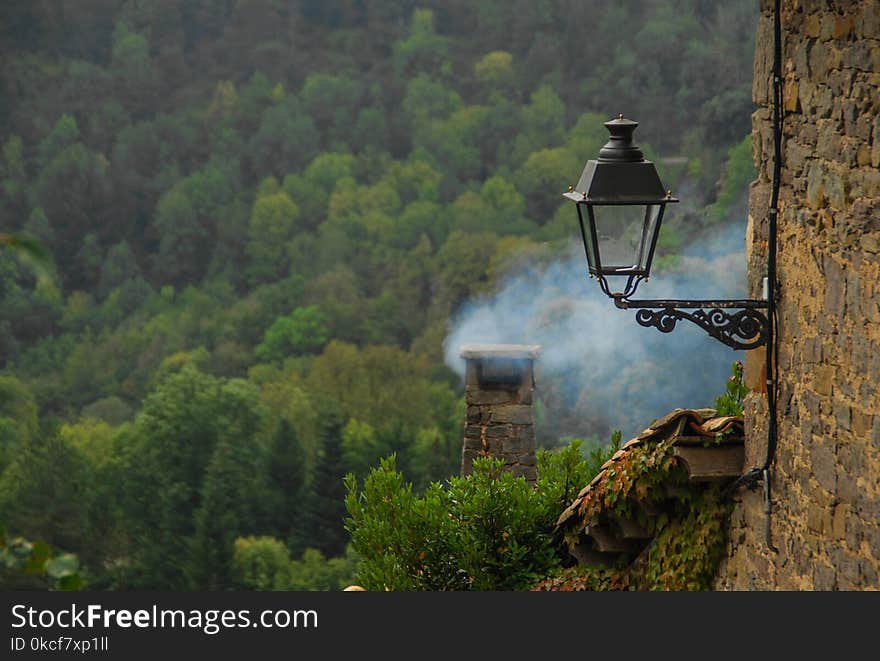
(621,174)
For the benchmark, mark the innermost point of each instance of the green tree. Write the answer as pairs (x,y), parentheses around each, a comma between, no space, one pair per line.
(286,140)
(183,240)
(325,501)
(232,503)
(13,176)
(287,466)
(423,50)
(119,267)
(135,74)
(273,222)
(332,101)
(544,177)
(260,563)
(739,171)
(46,492)
(495,73)
(182,423)
(18,418)
(361,447)
(302,331)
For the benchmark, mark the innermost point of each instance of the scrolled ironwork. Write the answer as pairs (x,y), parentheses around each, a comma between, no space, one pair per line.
(743,327)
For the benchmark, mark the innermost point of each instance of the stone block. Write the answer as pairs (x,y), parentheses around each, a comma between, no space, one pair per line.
(790,100)
(823,378)
(512,413)
(842,416)
(862,423)
(812,26)
(835,287)
(872,538)
(846,565)
(838,522)
(755,371)
(868,574)
(823,459)
(816,187)
(867,24)
(473,415)
(470,443)
(847,487)
(496,431)
(816,519)
(467,461)
(868,506)
(843,26)
(522,442)
(477,396)
(824,578)
(797,155)
(865,182)
(863,55)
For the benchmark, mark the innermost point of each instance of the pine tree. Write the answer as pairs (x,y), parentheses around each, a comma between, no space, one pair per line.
(325,503)
(233,504)
(287,473)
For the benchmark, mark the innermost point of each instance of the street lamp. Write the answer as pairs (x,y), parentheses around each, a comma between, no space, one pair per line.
(620,203)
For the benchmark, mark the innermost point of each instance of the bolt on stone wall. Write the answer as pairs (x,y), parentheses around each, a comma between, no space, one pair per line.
(826,476)
(499,382)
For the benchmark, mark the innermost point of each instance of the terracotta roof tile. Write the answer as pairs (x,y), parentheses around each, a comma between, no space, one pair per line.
(669,428)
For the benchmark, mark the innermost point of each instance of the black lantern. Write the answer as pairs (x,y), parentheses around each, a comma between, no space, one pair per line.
(620,202)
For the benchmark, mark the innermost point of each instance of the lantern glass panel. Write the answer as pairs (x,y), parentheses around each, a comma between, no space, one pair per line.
(625,235)
(589,238)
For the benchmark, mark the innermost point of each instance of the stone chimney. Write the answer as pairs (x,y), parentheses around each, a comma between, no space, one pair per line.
(499,380)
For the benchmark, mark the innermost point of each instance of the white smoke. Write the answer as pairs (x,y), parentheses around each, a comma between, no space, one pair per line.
(599,370)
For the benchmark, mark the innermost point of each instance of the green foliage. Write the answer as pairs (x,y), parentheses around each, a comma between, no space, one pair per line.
(30,565)
(302,331)
(739,171)
(272,224)
(264,563)
(730,402)
(689,533)
(423,50)
(486,531)
(18,418)
(324,499)
(260,563)
(495,71)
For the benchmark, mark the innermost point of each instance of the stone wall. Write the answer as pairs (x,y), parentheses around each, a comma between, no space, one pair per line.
(826,475)
(499,381)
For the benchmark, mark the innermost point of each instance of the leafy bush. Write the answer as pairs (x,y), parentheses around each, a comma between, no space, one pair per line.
(264,563)
(486,531)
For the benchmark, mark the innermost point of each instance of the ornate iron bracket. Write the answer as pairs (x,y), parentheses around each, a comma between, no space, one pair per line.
(737,323)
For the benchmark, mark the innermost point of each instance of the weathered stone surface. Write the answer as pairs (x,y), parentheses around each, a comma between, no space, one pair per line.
(499,418)
(824,578)
(826,476)
(513,413)
(824,463)
(478,397)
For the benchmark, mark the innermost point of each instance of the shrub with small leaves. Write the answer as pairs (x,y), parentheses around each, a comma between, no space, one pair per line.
(730,402)
(486,531)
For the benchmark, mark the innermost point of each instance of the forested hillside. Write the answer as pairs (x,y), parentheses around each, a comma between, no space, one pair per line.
(261,215)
